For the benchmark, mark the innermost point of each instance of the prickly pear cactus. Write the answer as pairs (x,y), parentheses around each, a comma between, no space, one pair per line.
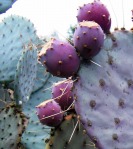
(70,134)
(12,125)
(26,74)
(5,5)
(16,33)
(103,93)
(36,133)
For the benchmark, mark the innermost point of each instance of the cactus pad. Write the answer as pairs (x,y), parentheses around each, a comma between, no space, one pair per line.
(104,94)
(5,5)
(60,137)
(41,77)
(16,32)
(26,74)
(12,125)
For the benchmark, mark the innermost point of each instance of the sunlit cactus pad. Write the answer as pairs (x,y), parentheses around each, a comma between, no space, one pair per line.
(104,93)
(16,33)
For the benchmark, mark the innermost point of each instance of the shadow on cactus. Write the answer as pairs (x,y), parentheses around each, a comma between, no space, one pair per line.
(6,97)
(70,134)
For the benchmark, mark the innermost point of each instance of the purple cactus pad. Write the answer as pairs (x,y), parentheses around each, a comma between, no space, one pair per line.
(63,94)
(95,11)
(60,58)
(104,93)
(52,110)
(88,39)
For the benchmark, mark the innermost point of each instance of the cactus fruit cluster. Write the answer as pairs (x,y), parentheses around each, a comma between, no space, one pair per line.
(95,11)
(36,133)
(74,94)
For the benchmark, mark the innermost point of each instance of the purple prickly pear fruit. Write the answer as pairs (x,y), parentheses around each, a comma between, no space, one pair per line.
(88,39)
(62,93)
(49,113)
(97,12)
(60,58)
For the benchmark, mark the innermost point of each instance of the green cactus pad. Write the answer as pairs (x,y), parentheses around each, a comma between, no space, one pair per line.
(16,33)
(62,138)
(12,125)
(41,78)
(26,74)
